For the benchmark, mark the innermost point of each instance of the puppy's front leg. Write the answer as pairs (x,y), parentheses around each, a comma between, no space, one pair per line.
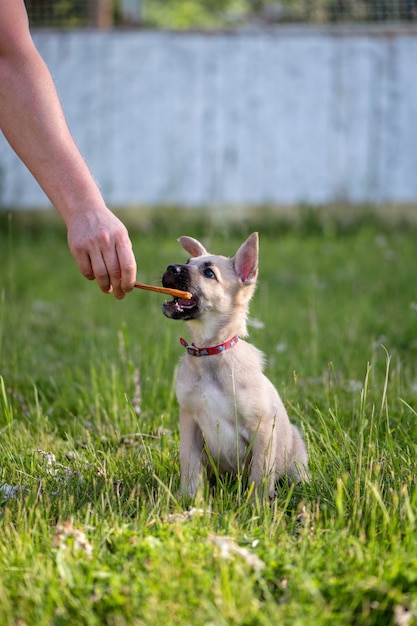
(191,442)
(263,457)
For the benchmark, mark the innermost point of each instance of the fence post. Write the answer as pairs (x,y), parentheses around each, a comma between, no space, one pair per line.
(100,13)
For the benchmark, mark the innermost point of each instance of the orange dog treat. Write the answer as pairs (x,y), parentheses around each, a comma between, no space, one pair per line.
(175,293)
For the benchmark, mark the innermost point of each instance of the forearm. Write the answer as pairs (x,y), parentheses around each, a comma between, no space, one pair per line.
(33,123)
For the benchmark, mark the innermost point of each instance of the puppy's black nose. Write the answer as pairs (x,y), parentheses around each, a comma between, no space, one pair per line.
(174,277)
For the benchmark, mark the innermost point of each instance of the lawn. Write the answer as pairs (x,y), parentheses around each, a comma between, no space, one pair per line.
(92,528)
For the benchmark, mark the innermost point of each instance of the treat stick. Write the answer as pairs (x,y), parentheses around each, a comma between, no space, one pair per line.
(175,293)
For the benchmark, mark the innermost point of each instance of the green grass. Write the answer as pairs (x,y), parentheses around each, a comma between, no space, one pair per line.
(92,530)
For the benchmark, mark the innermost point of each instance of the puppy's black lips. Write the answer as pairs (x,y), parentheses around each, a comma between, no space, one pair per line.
(180,308)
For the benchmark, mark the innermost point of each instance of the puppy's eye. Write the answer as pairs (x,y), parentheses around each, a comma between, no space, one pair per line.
(209,273)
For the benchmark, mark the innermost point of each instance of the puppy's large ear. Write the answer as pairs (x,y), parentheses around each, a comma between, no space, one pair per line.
(245,260)
(192,246)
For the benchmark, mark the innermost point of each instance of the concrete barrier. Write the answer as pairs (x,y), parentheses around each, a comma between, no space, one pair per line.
(283,116)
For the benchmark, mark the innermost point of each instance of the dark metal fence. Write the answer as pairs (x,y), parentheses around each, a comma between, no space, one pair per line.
(370,10)
(69,13)
(217,13)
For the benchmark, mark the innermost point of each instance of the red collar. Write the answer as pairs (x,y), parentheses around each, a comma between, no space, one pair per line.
(194,351)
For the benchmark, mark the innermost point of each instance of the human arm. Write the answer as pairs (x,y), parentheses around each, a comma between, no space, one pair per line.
(32,120)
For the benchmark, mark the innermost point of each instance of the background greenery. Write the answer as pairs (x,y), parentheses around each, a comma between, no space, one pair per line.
(92,530)
(188,14)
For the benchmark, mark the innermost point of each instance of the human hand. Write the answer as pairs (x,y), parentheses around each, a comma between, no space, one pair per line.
(102,249)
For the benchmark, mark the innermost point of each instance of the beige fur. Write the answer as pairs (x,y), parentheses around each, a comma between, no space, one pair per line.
(225,400)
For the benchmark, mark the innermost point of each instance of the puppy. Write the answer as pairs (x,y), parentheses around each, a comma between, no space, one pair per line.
(230,413)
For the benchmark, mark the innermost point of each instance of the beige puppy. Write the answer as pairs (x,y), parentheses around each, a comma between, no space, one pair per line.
(229,410)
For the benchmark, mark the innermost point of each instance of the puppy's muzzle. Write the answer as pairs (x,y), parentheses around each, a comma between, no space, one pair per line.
(177,277)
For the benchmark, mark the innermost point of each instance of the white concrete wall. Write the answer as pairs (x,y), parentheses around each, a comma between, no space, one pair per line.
(284,116)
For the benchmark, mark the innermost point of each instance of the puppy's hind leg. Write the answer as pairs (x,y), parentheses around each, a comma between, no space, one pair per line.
(299,467)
